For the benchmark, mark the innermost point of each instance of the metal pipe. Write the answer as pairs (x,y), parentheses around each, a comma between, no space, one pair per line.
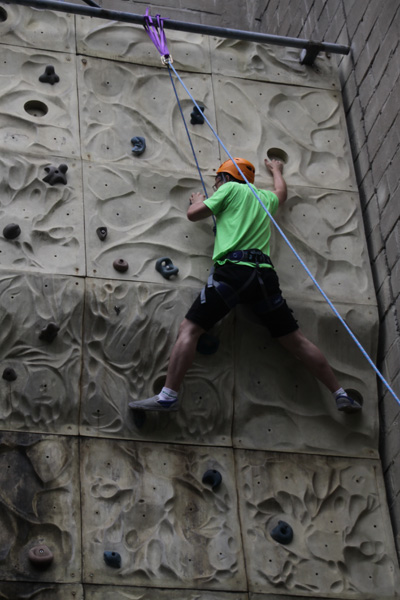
(223,32)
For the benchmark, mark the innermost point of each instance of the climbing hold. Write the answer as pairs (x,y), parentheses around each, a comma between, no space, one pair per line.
(101,233)
(9,374)
(112,559)
(139,145)
(49,333)
(282,533)
(56,174)
(207,344)
(196,117)
(166,268)
(117,309)
(49,75)
(120,265)
(40,556)
(213,478)
(11,231)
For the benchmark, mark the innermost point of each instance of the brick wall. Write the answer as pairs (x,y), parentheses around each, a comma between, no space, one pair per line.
(371,89)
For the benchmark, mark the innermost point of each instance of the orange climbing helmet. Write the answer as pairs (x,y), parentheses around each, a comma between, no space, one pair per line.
(229,167)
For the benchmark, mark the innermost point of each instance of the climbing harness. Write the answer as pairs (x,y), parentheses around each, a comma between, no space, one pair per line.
(256,195)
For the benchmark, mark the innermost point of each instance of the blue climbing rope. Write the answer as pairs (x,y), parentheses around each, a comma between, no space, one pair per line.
(288,242)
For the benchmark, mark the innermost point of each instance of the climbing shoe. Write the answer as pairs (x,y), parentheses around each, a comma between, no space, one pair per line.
(155,403)
(346,404)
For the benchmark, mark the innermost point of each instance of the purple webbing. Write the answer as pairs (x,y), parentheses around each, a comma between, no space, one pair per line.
(155,31)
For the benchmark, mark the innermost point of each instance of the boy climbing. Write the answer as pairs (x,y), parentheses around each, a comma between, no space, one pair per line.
(243,274)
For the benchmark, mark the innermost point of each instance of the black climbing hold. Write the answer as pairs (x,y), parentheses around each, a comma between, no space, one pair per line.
(139,418)
(213,478)
(166,268)
(101,233)
(11,231)
(207,344)
(40,556)
(139,145)
(9,374)
(49,333)
(56,174)
(196,117)
(112,559)
(49,75)
(282,533)
(120,265)
(117,309)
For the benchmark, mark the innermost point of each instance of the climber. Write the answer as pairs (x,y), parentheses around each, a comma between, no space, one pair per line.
(243,274)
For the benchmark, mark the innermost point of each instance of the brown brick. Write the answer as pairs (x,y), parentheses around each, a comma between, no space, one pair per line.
(371,217)
(392,172)
(375,242)
(354,16)
(389,14)
(367,89)
(385,297)
(380,270)
(392,361)
(362,164)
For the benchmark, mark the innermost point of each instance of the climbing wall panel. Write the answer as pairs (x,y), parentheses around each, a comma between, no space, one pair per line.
(286,411)
(305,127)
(129,330)
(41,591)
(28,27)
(325,227)
(39,507)
(49,215)
(119,101)
(144,213)
(238,58)
(35,117)
(148,503)
(127,593)
(340,528)
(130,43)
(41,392)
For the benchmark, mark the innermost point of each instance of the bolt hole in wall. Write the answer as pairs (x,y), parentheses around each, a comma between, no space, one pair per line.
(36,108)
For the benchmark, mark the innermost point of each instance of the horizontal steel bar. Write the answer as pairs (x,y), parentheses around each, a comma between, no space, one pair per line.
(223,32)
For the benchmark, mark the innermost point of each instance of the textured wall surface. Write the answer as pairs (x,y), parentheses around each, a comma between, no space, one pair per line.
(81,474)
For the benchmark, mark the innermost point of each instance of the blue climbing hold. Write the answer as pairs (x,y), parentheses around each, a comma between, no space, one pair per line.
(196,117)
(212,477)
(166,267)
(56,174)
(49,76)
(282,533)
(112,559)
(139,145)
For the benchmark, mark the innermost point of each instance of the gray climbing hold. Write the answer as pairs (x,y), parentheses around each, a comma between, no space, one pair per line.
(166,268)
(49,333)
(139,145)
(213,478)
(120,265)
(9,374)
(56,174)
(101,233)
(112,559)
(196,117)
(11,231)
(49,75)
(207,344)
(282,533)
(40,556)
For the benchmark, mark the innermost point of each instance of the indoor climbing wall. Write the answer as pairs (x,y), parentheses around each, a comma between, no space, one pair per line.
(257,488)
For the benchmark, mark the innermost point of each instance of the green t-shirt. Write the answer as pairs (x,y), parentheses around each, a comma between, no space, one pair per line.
(242,223)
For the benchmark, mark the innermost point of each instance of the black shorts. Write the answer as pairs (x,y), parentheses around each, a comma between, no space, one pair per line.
(265,300)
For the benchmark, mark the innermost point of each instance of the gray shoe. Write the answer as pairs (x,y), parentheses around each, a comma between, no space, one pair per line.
(154,403)
(347,404)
